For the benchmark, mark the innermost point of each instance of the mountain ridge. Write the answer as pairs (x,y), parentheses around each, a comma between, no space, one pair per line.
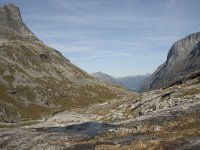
(12,23)
(104,77)
(132,83)
(178,63)
(37,78)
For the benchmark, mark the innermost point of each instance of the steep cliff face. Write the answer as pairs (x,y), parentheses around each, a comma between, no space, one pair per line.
(180,50)
(182,61)
(11,23)
(37,80)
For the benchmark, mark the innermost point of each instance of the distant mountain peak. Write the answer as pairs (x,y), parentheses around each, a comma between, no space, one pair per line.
(182,48)
(104,77)
(132,83)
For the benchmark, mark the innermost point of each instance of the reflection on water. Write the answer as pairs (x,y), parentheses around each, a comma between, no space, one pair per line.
(90,129)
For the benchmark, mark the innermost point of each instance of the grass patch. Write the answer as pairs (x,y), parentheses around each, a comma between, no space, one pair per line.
(9,78)
(187,93)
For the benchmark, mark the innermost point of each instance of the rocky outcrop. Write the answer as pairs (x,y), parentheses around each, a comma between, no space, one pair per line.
(182,61)
(37,80)
(11,23)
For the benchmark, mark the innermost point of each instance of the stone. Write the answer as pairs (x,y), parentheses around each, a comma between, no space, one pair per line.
(157,128)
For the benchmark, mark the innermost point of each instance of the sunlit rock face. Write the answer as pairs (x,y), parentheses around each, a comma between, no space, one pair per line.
(11,22)
(182,61)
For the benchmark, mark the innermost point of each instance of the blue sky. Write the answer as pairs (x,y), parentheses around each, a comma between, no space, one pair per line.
(118,37)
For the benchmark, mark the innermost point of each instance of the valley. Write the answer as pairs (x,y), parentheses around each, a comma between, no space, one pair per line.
(159,119)
(47,102)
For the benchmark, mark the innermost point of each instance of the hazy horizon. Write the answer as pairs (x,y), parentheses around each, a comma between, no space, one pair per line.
(119,38)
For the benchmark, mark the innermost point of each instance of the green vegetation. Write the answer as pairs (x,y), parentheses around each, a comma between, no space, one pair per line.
(27,92)
(59,97)
(26,51)
(9,78)
(1,70)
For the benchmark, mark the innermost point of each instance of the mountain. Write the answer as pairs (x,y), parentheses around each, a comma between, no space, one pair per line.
(133,83)
(182,63)
(37,80)
(104,77)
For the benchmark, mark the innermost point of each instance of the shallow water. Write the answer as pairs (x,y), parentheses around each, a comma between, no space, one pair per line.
(90,129)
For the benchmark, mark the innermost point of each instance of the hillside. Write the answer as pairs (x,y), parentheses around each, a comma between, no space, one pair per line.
(182,62)
(37,80)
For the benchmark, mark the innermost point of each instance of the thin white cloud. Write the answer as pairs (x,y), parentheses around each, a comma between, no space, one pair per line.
(89,30)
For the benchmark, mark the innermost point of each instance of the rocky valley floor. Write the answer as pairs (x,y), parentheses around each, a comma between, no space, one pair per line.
(160,119)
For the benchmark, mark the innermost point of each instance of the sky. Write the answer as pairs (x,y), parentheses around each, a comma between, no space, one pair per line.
(117,37)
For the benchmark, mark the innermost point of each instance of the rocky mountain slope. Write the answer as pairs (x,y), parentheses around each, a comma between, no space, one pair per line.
(37,80)
(182,62)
